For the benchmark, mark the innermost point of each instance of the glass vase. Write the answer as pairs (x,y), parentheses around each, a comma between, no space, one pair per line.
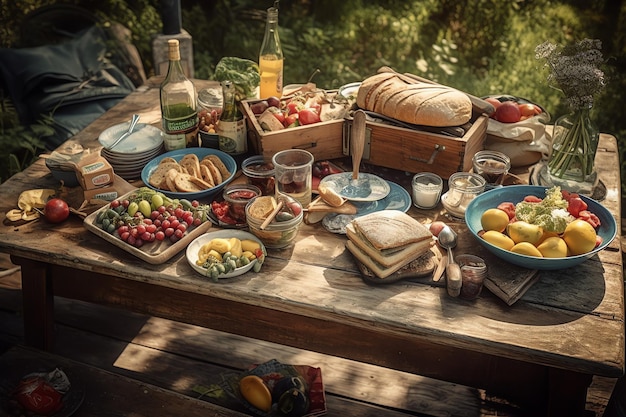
(574,143)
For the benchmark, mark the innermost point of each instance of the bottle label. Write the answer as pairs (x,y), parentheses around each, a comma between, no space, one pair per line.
(233,138)
(182,124)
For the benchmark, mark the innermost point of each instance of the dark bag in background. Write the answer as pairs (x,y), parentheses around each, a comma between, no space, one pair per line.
(72,81)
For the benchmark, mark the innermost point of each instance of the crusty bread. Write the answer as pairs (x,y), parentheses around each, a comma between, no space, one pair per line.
(219,165)
(215,172)
(390,229)
(185,183)
(330,196)
(205,173)
(191,163)
(158,175)
(168,159)
(417,103)
(170,179)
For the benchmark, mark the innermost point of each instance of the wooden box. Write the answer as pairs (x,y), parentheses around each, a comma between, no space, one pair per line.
(420,151)
(323,139)
(385,145)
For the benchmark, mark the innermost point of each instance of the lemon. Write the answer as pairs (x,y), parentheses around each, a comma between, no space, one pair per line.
(498,239)
(580,237)
(526,248)
(256,392)
(521,231)
(494,219)
(553,247)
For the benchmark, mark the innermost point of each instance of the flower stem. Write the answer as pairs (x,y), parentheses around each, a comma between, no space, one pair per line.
(574,148)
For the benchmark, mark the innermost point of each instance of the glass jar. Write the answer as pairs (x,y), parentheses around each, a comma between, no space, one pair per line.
(473,273)
(237,196)
(427,189)
(210,103)
(463,188)
(260,172)
(491,165)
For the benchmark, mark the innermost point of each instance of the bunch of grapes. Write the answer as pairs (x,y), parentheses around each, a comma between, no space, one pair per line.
(139,221)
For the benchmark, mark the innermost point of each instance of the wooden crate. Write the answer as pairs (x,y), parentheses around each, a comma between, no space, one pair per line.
(385,145)
(419,151)
(323,140)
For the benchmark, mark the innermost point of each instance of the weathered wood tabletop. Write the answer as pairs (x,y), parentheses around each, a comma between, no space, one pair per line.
(542,351)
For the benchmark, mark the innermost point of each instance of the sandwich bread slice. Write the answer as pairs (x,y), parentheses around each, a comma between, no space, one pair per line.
(387,240)
(389,229)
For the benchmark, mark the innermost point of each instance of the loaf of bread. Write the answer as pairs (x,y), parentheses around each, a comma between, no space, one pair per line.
(417,102)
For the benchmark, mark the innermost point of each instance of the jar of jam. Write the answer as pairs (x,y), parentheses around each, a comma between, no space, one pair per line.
(237,196)
(260,173)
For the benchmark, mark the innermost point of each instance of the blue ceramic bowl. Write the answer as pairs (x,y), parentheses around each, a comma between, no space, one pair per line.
(515,194)
(178,154)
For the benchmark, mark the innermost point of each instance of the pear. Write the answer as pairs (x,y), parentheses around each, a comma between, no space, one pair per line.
(521,231)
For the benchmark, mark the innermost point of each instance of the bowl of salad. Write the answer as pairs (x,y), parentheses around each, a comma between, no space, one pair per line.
(541,213)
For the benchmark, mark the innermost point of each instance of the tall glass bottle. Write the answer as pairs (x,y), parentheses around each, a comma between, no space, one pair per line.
(178,104)
(271,57)
(231,127)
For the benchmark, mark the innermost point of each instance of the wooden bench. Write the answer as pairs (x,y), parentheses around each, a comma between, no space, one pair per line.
(106,393)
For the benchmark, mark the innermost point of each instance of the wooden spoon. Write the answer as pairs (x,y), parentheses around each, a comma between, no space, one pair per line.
(357,141)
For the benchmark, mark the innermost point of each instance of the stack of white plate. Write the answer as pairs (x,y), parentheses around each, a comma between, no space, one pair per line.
(130,155)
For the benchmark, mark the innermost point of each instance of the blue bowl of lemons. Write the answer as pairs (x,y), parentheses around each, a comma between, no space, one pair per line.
(607,230)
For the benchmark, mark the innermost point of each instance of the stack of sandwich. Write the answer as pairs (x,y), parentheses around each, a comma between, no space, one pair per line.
(387,241)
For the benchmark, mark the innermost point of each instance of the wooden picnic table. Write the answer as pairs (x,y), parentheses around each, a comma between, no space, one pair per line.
(541,352)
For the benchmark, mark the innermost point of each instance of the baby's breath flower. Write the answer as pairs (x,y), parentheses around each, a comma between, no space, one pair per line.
(574,69)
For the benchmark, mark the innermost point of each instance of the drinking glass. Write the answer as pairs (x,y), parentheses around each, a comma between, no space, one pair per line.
(293,174)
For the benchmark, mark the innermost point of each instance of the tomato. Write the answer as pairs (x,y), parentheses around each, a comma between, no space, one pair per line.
(508,112)
(508,208)
(529,110)
(589,217)
(56,210)
(532,199)
(222,212)
(291,120)
(575,206)
(294,107)
(278,114)
(308,116)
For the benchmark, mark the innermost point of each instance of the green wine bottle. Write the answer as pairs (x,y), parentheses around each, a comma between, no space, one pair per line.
(178,104)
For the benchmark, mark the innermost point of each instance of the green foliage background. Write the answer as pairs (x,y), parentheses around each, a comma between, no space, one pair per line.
(479,46)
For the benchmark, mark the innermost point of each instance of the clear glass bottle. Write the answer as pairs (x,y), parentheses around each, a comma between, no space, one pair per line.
(271,57)
(178,97)
(232,126)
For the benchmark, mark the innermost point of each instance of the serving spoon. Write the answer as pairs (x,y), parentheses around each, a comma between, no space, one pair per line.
(133,123)
(447,240)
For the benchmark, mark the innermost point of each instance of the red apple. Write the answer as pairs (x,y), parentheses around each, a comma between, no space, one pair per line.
(508,112)
(56,210)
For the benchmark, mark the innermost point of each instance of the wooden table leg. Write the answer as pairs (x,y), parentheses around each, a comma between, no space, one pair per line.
(38,303)
(568,393)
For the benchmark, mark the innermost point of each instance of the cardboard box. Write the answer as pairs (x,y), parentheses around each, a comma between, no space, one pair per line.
(106,193)
(94,171)
(386,145)
(323,139)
